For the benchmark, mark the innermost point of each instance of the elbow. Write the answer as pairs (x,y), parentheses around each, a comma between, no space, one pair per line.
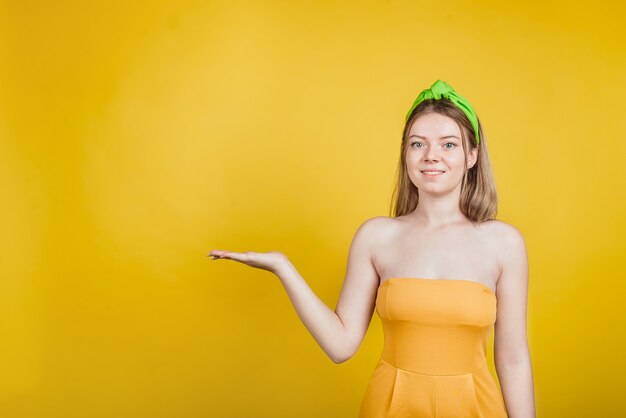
(338,359)
(342,357)
(519,360)
(339,356)
(518,354)
(343,354)
(345,348)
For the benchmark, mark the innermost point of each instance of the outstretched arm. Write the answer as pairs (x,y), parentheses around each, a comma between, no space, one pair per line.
(339,332)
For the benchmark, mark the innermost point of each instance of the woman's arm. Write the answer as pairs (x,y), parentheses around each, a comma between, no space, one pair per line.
(338,332)
(511,353)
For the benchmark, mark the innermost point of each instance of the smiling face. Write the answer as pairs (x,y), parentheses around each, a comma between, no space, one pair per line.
(435,156)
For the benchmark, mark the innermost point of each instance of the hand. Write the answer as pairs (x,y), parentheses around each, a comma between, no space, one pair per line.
(270,261)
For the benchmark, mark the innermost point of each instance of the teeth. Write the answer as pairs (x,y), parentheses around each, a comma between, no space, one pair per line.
(432,172)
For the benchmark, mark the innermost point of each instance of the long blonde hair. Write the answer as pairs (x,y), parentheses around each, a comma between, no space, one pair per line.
(478,199)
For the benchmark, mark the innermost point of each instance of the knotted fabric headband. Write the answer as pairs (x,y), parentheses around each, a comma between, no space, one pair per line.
(442,90)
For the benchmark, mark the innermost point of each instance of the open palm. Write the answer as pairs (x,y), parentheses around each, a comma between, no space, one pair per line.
(269,261)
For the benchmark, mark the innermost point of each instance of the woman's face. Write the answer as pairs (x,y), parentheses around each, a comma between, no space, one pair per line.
(434,144)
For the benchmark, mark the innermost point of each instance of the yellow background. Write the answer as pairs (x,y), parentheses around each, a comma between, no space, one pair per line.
(135,137)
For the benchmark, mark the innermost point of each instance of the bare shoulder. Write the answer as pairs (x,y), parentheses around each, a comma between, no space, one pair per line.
(510,247)
(503,233)
(375,229)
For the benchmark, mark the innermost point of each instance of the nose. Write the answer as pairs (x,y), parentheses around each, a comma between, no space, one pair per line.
(431,154)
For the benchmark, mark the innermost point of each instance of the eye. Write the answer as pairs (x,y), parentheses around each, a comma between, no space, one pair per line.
(413,143)
(452,144)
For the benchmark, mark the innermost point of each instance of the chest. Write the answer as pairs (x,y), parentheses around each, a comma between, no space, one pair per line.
(460,253)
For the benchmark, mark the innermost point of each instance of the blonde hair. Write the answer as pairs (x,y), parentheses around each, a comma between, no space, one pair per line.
(478,199)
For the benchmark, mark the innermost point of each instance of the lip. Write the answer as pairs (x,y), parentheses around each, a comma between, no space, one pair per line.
(432,175)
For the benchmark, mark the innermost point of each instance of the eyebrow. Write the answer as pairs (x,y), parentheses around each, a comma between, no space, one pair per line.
(443,137)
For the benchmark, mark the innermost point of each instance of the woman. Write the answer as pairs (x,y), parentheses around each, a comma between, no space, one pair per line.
(438,273)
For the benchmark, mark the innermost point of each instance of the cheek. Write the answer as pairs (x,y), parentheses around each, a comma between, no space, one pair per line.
(457,160)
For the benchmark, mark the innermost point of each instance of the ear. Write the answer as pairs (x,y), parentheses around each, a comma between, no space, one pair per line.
(472,158)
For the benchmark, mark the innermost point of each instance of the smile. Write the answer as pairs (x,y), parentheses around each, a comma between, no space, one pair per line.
(432,173)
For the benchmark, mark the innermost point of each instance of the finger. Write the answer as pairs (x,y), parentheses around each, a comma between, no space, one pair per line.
(231,255)
(216,253)
(243,257)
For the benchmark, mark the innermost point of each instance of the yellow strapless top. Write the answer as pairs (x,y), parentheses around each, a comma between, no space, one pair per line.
(435,326)
(434,362)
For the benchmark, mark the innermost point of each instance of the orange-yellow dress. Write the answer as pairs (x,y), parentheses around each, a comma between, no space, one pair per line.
(434,362)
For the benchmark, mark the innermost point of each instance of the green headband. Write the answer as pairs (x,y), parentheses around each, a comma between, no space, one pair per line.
(442,90)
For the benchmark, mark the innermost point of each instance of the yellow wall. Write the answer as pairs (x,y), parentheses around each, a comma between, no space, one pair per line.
(136,137)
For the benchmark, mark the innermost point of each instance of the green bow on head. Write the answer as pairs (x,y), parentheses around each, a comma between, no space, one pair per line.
(442,90)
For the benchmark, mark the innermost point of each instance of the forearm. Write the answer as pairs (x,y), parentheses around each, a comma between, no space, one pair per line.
(516,382)
(321,321)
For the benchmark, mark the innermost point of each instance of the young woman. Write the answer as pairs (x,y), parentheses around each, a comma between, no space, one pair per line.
(439,273)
